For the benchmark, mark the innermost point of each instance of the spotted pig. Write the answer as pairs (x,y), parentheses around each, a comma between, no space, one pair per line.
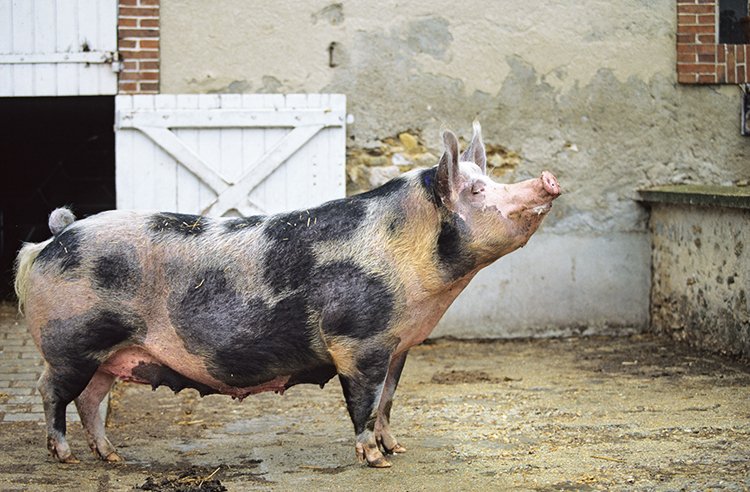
(238,306)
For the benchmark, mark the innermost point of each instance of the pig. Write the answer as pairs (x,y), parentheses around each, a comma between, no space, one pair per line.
(238,306)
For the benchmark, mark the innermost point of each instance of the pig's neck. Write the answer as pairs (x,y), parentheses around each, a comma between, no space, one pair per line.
(430,249)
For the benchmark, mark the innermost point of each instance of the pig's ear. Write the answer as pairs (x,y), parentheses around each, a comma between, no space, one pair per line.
(475,151)
(448,177)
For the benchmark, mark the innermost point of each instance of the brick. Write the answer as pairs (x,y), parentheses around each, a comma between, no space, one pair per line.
(151,2)
(149,44)
(152,33)
(697,29)
(687,48)
(23,417)
(123,22)
(16,407)
(687,19)
(148,22)
(707,58)
(721,53)
(127,43)
(708,2)
(686,78)
(707,38)
(709,19)
(14,376)
(686,58)
(740,54)
(696,68)
(19,391)
(140,55)
(130,66)
(149,65)
(128,2)
(695,9)
(139,12)
(731,65)
(683,38)
(721,73)
(128,86)
(149,86)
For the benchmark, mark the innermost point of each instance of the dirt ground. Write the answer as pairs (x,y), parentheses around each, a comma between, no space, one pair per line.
(634,413)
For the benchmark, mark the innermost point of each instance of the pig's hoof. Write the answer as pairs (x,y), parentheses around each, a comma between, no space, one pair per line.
(379,463)
(69,460)
(371,455)
(113,457)
(398,449)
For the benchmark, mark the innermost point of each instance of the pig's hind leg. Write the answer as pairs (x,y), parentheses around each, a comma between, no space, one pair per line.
(388,444)
(73,349)
(87,404)
(58,387)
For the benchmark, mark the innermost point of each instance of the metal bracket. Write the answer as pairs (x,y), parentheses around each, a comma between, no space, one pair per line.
(745,110)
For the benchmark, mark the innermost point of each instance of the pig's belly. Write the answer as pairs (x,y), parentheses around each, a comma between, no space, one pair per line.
(137,365)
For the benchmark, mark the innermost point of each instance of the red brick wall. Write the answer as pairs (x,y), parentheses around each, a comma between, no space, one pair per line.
(700,57)
(138,45)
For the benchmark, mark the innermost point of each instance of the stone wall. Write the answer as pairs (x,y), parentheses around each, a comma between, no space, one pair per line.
(587,90)
(701,269)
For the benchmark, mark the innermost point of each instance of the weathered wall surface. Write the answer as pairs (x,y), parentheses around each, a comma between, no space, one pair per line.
(586,90)
(701,258)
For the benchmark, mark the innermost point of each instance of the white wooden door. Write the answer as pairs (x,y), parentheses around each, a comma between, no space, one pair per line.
(58,47)
(229,154)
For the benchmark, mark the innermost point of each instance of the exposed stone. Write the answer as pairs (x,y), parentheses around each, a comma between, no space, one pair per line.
(409,141)
(406,152)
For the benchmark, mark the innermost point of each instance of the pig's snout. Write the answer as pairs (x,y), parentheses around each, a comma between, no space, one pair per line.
(549,181)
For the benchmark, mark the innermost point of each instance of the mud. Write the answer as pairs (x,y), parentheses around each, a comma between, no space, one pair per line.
(634,413)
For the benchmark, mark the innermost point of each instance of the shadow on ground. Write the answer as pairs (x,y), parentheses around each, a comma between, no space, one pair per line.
(635,413)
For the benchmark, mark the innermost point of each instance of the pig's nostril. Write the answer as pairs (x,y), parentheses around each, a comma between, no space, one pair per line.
(550,183)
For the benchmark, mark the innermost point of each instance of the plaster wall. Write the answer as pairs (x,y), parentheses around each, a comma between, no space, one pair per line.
(585,89)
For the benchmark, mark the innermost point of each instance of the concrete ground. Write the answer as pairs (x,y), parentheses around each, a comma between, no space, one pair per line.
(631,413)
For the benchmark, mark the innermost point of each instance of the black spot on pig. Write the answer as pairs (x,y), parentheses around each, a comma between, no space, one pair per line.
(243,223)
(64,249)
(351,302)
(428,179)
(74,347)
(454,256)
(185,225)
(289,259)
(157,375)
(245,341)
(117,271)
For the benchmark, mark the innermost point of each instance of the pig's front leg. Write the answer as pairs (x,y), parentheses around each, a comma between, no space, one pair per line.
(362,389)
(388,444)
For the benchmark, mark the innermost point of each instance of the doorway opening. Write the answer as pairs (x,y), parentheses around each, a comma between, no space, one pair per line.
(55,151)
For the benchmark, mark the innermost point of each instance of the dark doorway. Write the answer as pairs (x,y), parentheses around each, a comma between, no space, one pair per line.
(54,151)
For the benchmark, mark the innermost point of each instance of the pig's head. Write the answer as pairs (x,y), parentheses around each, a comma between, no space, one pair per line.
(491,219)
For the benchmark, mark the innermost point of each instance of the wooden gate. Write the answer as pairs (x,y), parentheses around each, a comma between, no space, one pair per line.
(229,154)
(58,47)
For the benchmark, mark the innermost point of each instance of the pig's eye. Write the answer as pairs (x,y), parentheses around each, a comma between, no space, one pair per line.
(477,187)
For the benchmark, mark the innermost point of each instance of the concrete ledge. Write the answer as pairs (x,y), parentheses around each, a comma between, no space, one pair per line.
(721,196)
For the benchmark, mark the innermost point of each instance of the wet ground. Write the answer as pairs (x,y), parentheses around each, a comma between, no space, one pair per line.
(633,413)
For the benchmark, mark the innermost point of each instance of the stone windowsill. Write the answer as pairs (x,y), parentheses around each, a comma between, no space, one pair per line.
(720,196)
